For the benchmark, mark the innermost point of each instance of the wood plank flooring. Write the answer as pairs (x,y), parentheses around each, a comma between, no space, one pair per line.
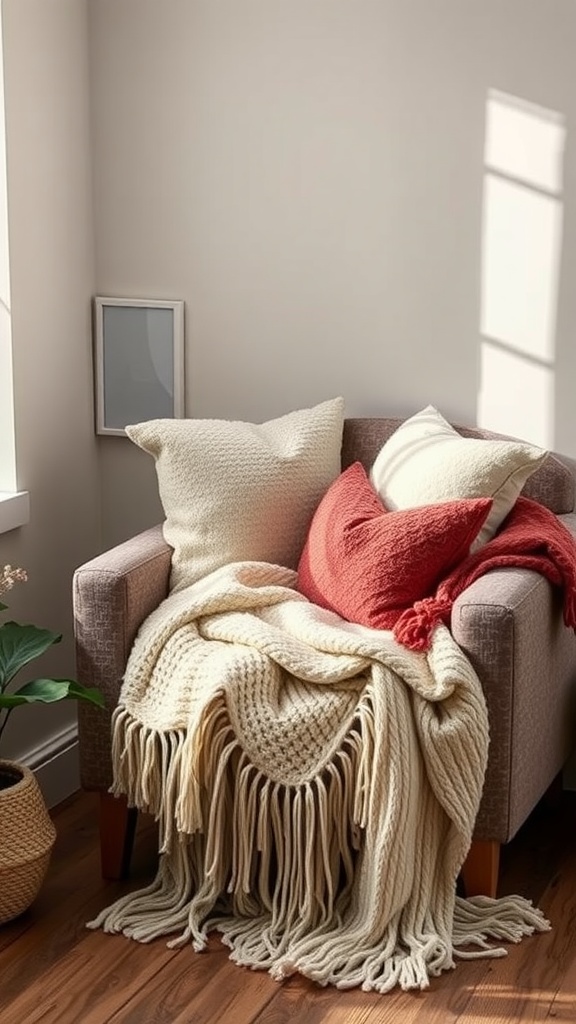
(55,971)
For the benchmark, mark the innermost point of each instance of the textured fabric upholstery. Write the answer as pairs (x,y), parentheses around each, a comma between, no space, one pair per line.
(509,623)
(113,594)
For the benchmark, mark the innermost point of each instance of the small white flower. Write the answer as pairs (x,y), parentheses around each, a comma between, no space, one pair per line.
(10,576)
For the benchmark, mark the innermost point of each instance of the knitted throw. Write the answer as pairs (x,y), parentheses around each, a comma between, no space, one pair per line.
(316,786)
(532,537)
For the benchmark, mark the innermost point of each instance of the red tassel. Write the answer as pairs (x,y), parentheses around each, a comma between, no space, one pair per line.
(415,626)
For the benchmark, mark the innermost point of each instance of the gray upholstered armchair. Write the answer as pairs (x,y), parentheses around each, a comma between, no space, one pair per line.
(509,623)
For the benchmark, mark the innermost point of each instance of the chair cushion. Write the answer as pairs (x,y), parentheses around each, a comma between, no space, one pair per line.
(426,461)
(234,491)
(369,564)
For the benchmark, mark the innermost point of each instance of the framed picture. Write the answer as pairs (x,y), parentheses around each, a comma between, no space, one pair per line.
(139,361)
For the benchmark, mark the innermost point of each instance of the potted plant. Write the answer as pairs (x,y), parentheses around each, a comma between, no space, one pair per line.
(27,833)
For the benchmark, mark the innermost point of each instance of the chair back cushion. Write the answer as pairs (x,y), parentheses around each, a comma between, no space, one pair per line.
(552,484)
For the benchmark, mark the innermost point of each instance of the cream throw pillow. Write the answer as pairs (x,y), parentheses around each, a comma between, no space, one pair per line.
(234,491)
(426,461)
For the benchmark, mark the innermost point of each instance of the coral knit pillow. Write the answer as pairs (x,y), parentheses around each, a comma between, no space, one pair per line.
(368,564)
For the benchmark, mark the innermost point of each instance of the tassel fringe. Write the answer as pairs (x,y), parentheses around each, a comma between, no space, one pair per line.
(279,869)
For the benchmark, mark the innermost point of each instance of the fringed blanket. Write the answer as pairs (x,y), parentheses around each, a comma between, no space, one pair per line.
(316,786)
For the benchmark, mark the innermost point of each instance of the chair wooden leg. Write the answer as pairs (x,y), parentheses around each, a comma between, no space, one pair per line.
(117,828)
(480,869)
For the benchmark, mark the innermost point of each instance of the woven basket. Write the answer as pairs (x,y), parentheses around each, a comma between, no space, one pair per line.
(26,839)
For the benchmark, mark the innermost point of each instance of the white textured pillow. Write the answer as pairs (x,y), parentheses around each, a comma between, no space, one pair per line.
(426,461)
(234,491)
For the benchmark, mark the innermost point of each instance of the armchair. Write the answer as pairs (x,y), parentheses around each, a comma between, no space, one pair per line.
(509,624)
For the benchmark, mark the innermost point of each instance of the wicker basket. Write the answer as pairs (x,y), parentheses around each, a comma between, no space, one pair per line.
(26,839)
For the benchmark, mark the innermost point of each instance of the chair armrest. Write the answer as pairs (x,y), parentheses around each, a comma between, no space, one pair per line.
(569,521)
(112,595)
(509,623)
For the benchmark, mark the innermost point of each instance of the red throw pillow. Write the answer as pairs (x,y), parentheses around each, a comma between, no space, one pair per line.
(368,564)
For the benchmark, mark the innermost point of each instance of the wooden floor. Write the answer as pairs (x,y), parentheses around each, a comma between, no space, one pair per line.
(52,969)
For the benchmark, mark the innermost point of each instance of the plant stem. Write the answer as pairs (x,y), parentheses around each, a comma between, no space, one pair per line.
(7,714)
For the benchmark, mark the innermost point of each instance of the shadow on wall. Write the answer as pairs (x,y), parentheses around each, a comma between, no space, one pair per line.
(521,254)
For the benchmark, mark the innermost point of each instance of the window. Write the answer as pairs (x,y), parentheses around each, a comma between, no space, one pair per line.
(13,504)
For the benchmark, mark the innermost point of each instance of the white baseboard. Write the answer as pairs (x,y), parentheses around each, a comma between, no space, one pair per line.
(55,764)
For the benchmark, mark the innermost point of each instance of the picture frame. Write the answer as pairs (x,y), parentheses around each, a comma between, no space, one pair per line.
(139,361)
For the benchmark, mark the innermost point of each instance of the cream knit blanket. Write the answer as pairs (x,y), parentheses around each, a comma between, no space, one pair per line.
(316,787)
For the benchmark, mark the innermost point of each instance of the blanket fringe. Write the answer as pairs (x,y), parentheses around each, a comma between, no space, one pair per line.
(480,918)
(272,867)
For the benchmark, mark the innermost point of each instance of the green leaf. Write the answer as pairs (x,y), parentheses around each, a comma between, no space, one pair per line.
(3,607)
(48,691)
(19,645)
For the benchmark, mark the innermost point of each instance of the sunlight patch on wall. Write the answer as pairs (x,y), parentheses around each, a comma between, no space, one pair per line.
(521,247)
(522,236)
(527,393)
(524,141)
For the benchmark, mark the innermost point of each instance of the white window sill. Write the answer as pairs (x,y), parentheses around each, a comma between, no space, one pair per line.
(14,509)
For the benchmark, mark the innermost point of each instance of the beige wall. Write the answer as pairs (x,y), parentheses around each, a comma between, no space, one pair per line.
(52,280)
(307,175)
